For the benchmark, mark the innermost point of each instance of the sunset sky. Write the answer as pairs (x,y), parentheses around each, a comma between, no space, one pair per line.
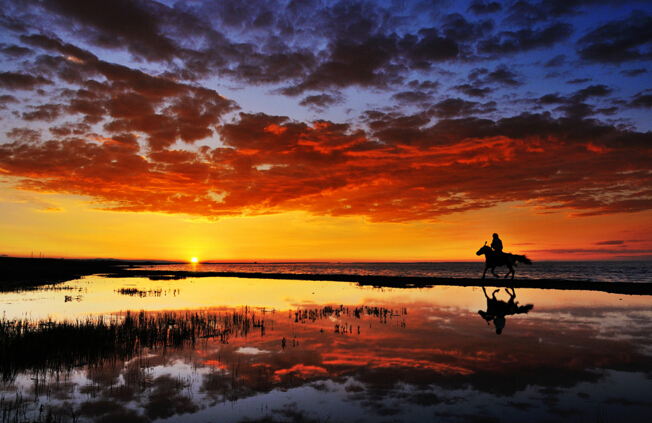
(318,130)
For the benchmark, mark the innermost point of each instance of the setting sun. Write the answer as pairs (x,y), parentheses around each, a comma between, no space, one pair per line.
(193,260)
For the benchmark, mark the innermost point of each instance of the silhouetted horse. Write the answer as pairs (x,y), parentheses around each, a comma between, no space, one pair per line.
(494,259)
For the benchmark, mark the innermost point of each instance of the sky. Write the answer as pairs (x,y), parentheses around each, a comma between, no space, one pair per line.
(325,131)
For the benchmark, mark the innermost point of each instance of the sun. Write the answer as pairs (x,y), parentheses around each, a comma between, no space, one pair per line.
(193,260)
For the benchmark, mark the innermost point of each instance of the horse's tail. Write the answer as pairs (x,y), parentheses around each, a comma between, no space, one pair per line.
(522,259)
(523,309)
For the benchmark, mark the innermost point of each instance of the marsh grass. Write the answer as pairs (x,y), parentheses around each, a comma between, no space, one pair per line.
(46,346)
(135,292)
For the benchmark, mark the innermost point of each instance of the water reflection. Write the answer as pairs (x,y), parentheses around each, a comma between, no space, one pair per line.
(386,356)
(497,310)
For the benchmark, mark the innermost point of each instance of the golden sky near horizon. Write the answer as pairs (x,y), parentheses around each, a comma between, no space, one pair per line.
(330,131)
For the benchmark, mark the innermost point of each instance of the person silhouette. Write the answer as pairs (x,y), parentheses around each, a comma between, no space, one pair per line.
(497,244)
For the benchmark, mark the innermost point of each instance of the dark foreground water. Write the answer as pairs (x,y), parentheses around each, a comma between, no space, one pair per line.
(254,350)
(603,271)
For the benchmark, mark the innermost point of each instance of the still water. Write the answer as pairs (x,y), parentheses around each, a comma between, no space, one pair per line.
(235,350)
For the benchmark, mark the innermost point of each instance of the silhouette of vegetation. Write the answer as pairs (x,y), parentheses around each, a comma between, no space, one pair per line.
(47,346)
(135,292)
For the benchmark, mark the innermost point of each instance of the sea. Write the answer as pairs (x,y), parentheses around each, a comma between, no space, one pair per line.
(593,271)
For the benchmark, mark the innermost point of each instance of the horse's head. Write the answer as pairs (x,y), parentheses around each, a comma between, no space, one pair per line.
(484,250)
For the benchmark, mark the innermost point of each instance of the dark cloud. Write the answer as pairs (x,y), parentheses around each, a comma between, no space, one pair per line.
(527,14)
(511,42)
(46,112)
(576,110)
(552,99)
(168,399)
(458,28)
(53,44)
(428,86)
(633,72)
(592,91)
(320,101)
(129,100)
(473,91)
(16,51)
(502,75)
(134,25)
(619,41)
(6,99)
(412,97)
(106,410)
(455,107)
(375,61)
(21,81)
(243,15)
(429,48)
(481,7)
(24,135)
(556,61)
(574,106)
(70,129)
(609,243)
(642,101)
(364,64)
(579,81)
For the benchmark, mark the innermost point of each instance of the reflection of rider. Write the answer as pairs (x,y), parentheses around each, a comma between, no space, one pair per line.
(498,309)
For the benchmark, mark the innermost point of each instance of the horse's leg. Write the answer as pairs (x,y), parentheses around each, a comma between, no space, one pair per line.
(493,270)
(483,273)
(511,270)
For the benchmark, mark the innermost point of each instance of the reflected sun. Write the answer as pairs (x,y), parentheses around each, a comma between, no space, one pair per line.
(193,260)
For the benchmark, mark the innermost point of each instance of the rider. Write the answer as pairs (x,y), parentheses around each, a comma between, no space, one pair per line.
(497,244)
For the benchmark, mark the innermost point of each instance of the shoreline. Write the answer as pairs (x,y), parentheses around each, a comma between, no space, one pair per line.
(26,273)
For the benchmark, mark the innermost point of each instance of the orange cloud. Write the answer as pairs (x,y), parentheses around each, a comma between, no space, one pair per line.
(270,164)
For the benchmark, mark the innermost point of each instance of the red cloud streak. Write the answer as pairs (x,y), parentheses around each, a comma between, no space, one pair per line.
(270,164)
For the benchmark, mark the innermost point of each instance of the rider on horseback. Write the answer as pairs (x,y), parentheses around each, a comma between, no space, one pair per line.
(497,244)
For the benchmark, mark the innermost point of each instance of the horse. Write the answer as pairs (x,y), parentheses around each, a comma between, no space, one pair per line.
(494,259)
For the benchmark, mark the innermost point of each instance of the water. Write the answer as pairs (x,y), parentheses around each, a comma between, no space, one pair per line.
(603,271)
(289,351)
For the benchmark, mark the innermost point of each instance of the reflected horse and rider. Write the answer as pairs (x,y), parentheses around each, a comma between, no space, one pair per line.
(497,309)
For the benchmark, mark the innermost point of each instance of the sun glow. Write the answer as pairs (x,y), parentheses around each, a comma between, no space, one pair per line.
(193,260)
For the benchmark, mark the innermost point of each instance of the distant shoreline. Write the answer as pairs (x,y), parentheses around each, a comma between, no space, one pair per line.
(26,273)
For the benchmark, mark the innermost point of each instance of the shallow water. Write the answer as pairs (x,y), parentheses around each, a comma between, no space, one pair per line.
(603,271)
(325,351)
